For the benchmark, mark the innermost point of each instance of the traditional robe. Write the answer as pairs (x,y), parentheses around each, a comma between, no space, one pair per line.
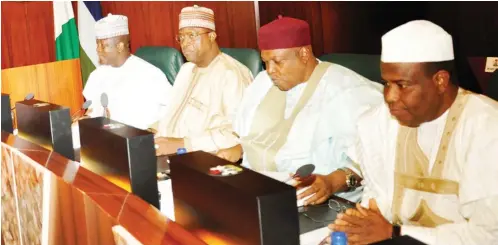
(204,103)
(320,131)
(137,91)
(439,181)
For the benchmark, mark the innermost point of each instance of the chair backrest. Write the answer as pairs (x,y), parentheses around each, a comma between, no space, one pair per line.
(167,59)
(366,65)
(247,56)
(492,90)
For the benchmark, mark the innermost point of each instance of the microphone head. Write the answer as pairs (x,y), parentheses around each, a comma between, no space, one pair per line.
(87,104)
(305,170)
(104,100)
(29,96)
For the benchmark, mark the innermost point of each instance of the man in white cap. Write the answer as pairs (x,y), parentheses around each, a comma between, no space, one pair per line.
(137,91)
(429,154)
(206,92)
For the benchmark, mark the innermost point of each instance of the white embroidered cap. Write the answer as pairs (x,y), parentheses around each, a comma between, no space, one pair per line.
(417,41)
(197,17)
(111,26)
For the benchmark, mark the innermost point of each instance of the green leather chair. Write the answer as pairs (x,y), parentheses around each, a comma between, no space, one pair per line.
(492,90)
(167,59)
(248,57)
(364,64)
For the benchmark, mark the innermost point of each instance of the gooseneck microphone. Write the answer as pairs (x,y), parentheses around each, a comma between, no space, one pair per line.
(85,106)
(29,96)
(104,100)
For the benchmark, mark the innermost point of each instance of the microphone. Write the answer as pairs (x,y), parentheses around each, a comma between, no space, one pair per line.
(104,100)
(85,106)
(302,172)
(29,96)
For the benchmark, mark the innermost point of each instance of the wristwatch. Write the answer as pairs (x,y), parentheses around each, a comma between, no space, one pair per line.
(351,181)
(396,231)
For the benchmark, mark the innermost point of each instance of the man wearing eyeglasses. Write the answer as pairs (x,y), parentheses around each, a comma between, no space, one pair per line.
(137,91)
(206,92)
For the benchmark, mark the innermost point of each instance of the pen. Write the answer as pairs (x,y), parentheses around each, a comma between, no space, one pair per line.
(324,241)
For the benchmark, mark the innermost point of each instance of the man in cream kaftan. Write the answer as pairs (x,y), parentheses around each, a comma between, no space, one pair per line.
(456,202)
(203,103)
(428,157)
(206,92)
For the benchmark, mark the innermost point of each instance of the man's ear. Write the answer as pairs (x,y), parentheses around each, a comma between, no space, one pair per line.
(121,47)
(304,54)
(442,80)
(212,36)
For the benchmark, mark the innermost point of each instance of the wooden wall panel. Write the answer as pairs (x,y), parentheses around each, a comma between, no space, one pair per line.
(28,39)
(344,27)
(57,82)
(27,33)
(156,23)
(357,27)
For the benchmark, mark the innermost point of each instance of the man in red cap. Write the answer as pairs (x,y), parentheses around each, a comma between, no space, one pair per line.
(302,111)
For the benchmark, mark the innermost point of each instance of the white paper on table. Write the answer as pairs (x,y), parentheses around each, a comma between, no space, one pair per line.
(166,205)
(314,237)
(491,64)
(282,176)
(75,130)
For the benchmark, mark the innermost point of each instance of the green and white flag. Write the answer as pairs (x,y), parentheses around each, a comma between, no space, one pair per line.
(89,12)
(67,45)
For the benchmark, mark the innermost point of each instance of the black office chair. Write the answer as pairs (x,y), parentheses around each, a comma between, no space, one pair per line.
(248,57)
(367,65)
(167,59)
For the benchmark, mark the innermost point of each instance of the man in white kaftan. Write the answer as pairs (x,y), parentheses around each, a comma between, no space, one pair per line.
(137,91)
(429,156)
(206,92)
(314,116)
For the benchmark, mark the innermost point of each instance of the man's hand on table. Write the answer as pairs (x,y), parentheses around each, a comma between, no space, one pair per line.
(362,225)
(166,146)
(321,187)
(232,154)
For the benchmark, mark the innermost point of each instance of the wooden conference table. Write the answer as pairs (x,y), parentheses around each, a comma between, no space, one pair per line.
(47,195)
(49,199)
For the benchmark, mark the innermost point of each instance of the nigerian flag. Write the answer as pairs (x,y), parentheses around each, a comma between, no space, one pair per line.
(89,12)
(67,45)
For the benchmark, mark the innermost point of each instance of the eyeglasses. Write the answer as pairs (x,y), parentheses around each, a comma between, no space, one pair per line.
(101,48)
(189,36)
(334,205)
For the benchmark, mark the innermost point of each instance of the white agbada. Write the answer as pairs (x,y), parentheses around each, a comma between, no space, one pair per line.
(325,127)
(471,161)
(138,92)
